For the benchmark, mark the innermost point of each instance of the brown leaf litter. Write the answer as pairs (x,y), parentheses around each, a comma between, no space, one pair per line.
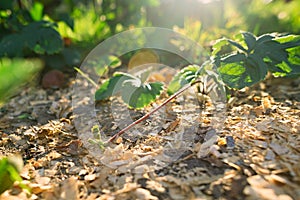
(255,156)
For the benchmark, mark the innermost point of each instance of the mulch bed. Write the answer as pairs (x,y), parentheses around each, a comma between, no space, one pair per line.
(255,156)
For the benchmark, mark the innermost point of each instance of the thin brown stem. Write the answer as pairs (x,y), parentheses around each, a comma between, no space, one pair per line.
(150,113)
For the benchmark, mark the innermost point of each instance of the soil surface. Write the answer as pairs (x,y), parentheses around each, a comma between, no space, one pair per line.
(175,154)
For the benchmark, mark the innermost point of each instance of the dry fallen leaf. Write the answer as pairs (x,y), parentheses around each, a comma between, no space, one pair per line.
(116,157)
(74,147)
(265,149)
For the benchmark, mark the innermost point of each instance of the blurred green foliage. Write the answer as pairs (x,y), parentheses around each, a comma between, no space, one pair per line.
(228,17)
(10,167)
(62,32)
(15,72)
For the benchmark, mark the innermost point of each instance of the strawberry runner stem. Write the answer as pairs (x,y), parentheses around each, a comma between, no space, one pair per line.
(153,111)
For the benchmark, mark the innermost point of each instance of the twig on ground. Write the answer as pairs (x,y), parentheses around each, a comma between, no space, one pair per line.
(150,113)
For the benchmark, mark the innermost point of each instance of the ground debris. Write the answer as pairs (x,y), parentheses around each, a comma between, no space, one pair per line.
(255,156)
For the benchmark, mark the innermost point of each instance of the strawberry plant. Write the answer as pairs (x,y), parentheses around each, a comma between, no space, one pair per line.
(252,57)
(240,63)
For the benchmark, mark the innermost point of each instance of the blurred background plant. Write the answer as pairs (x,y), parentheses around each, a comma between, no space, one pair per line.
(62,32)
(14,73)
(10,167)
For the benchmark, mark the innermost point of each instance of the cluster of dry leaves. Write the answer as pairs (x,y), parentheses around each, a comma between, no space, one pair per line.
(255,156)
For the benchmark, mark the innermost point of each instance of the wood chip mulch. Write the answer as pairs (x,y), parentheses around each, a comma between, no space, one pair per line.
(255,156)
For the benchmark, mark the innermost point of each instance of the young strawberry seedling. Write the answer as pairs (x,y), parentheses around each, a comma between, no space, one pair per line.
(240,63)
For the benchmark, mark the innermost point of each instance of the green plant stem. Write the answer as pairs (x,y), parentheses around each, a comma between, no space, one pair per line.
(86,76)
(150,113)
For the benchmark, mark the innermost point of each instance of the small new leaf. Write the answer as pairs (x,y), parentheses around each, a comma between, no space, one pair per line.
(186,75)
(250,40)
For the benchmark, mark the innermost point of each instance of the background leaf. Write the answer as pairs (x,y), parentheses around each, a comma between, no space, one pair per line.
(41,37)
(36,11)
(12,45)
(45,38)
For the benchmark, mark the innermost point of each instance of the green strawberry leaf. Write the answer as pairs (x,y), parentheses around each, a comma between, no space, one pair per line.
(291,66)
(279,55)
(137,95)
(237,45)
(219,44)
(250,40)
(239,70)
(112,86)
(134,92)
